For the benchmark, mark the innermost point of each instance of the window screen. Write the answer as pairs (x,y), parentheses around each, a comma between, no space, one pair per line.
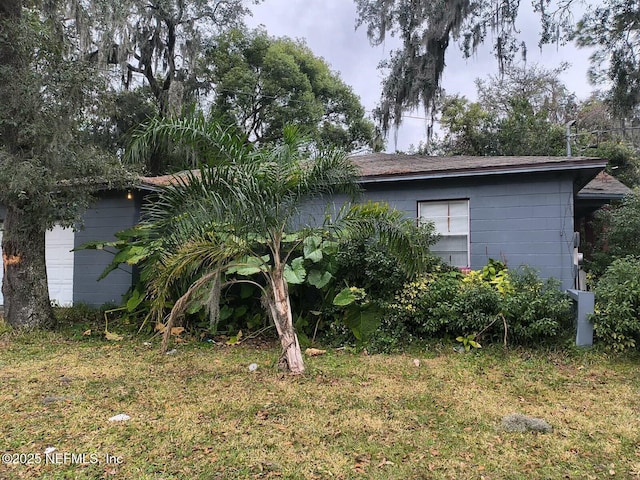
(451,219)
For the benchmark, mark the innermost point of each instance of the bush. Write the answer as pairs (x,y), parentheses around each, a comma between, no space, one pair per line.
(477,304)
(617,229)
(423,307)
(450,304)
(617,313)
(79,313)
(536,310)
(369,264)
(623,230)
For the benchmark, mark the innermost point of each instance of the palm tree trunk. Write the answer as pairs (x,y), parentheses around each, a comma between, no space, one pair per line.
(280,307)
(213,303)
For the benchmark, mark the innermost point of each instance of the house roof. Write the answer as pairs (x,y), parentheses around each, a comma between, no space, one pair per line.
(604,186)
(166,180)
(383,167)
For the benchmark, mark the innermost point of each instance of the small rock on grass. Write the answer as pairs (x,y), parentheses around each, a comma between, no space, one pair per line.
(121,417)
(517,422)
(314,352)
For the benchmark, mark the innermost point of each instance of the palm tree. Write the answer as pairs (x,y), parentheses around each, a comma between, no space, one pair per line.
(241,212)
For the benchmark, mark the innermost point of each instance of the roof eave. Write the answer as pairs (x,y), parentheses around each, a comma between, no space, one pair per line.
(148,188)
(482,172)
(601,196)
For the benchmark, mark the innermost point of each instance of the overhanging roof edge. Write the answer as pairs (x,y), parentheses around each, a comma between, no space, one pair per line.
(480,172)
(601,196)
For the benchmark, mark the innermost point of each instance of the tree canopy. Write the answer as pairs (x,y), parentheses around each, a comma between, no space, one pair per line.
(614,30)
(47,169)
(426,28)
(160,40)
(541,87)
(520,113)
(525,112)
(262,83)
(155,47)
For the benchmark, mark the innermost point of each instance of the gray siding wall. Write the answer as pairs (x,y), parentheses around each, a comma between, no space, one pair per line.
(521,219)
(111,213)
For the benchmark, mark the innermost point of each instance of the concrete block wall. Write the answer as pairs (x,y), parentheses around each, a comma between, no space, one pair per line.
(111,213)
(523,219)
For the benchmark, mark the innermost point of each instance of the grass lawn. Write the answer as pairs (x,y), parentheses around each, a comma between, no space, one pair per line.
(201,414)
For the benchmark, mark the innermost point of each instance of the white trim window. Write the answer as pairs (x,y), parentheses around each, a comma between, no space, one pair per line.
(451,219)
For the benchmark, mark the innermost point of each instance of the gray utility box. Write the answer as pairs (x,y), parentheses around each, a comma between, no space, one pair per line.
(585,302)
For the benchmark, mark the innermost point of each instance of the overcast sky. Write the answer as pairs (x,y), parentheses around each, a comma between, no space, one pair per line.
(328,27)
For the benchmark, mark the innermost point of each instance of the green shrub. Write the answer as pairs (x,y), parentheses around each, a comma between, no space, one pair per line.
(448,304)
(477,304)
(536,310)
(390,337)
(616,228)
(617,313)
(368,264)
(426,305)
(79,313)
(622,234)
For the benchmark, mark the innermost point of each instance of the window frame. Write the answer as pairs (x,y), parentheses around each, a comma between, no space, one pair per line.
(448,202)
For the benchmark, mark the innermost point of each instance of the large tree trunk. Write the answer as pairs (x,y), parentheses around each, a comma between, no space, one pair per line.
(25,288)
(283,319)
(26,295)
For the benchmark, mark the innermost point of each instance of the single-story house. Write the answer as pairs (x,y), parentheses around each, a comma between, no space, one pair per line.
(521,210)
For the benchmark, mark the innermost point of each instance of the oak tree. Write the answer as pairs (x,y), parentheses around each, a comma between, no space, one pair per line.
(47,170)
(613,29)
(261,83)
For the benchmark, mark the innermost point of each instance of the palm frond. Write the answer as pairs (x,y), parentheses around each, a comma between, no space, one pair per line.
(206,141)
(243,205)
(407,241)
(330,172)
(198,257)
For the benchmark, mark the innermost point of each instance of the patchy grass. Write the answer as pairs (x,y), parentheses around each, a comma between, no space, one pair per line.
(201,414)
